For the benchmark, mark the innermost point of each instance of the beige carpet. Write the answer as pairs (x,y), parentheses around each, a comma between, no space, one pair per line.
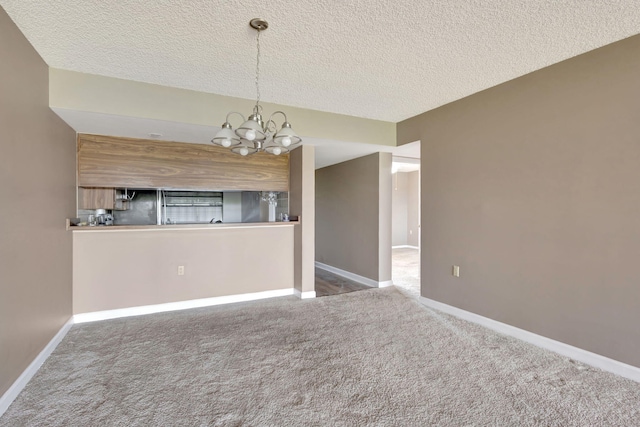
(369,358)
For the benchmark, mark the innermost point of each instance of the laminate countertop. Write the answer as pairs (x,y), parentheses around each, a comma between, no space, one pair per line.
(108,228)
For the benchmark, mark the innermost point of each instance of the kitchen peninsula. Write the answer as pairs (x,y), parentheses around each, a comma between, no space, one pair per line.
(140,266)
(130,266)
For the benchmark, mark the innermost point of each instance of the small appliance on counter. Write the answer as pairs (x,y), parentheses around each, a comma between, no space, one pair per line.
(103,218)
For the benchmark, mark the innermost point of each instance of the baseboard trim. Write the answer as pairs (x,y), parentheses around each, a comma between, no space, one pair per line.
(180,305)
(352,276)
(304,295)
(9,396)
(404,247)
(584,356)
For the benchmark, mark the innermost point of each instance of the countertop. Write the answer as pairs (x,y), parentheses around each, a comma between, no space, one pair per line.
(106,228)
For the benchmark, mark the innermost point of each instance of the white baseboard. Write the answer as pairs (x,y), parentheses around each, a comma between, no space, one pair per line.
(180,305)
(584,356)
(404,247)
(9,396)
(305,295)
(352,276)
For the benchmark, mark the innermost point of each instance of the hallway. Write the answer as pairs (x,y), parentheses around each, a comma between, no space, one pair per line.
(331,284)
(405,275)
(405,270)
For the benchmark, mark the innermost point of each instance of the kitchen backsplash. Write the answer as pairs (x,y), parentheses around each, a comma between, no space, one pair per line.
(148,207)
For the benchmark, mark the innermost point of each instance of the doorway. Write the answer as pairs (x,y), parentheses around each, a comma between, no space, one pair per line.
(405,265)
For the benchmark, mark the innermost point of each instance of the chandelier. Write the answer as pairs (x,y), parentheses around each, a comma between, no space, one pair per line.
(255,134)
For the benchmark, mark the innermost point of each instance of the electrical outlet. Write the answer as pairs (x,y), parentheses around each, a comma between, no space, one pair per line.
(181,270)
(410,231)
(456,271)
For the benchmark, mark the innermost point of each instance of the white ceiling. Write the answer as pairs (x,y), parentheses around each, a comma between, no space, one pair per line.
(386,60)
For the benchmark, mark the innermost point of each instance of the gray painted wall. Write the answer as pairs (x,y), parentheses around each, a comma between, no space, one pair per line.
(399,209)
(405,208)
(533,188)
(37,172)
(302,202)
(384,216)
(353,216)
(413,208)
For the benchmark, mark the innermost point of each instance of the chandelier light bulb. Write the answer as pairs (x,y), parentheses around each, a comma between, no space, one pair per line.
(286,141)
(244,151)
(250,135)
(277,151)
(226,143)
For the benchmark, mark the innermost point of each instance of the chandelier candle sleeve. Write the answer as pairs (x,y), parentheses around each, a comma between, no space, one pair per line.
(254,134)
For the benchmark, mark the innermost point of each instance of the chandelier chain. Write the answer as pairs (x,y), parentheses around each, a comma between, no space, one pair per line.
(258,68)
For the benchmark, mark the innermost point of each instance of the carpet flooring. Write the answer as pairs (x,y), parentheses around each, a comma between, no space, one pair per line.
(369,358)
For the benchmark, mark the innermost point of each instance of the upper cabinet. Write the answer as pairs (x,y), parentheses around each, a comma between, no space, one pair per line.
(105,161)
(101,198)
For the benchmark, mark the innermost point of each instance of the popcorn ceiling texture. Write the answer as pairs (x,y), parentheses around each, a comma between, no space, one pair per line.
(375,59)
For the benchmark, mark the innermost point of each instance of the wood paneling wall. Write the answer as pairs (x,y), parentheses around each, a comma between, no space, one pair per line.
(107,161)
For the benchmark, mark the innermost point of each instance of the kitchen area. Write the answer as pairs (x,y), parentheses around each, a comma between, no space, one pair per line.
(162,222)
(127,181)
(166,207)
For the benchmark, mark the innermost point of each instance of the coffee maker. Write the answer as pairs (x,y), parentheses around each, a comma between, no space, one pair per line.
(103,218)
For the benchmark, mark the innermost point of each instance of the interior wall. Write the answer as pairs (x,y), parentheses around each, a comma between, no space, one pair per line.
(302,202)
(37,171)
(405,209)
(413,208)
(353,216)
(73,93)
(533,188)
(399,209)
(384,218)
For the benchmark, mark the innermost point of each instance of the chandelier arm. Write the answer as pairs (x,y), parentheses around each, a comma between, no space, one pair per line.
(276,112)
(266,127)
(235,112)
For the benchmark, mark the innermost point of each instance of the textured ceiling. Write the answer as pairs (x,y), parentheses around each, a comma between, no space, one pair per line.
(374,59)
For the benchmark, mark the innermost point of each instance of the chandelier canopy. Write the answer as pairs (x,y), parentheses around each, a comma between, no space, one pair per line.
(255,134)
